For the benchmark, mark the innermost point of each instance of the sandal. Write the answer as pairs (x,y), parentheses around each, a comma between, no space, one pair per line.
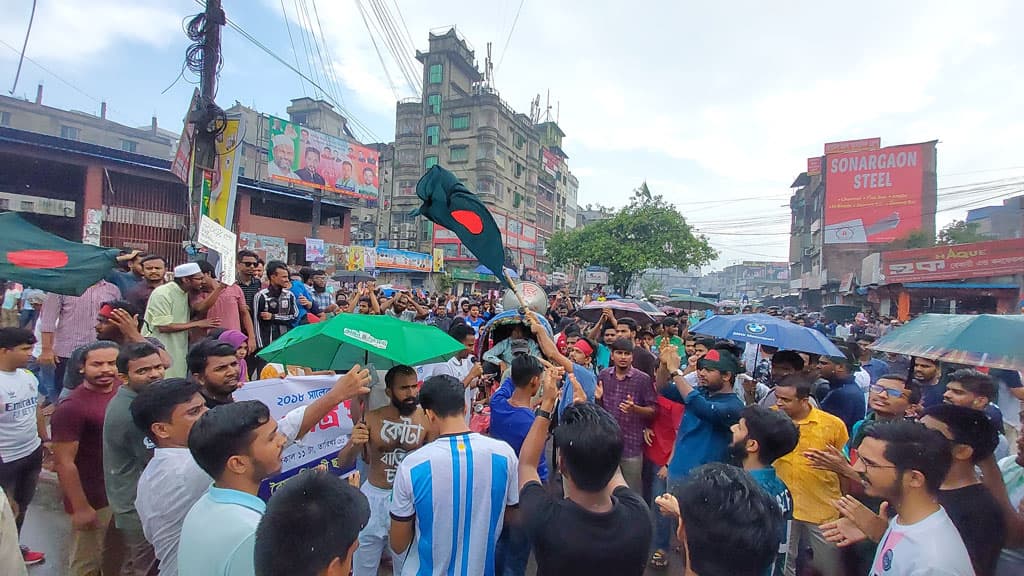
(659,560)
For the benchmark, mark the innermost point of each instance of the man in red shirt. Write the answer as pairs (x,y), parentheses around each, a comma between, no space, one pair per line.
(77,434)
(659,440)
(228,305)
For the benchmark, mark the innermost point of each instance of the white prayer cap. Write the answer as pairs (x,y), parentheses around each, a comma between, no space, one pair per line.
(187,269)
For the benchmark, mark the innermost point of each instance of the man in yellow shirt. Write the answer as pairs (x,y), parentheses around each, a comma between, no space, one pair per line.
(813,489)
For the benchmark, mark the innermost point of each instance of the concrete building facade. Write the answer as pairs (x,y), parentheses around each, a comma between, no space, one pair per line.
(461,122)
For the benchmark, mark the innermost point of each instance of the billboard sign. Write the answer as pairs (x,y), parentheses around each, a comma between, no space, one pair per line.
(303,157)
(550,162)
(388,258)
(874,196)
(814,166)
(975,260)
(182,164)
(853,146)
(595,277)
(219,203)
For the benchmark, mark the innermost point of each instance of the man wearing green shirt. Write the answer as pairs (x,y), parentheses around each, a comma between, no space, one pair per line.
(126,451)
(168,315)
(671,325)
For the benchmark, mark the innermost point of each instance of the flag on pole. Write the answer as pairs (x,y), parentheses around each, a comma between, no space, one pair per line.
(48,262)
(448,203)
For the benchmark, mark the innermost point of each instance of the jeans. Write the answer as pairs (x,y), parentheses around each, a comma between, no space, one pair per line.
(26,318)
(46,375)
(663,525)
(512,552)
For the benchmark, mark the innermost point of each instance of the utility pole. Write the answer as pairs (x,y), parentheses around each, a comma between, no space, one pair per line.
(207,118)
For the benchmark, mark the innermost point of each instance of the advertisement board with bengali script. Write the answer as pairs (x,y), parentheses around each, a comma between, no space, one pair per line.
(975,260)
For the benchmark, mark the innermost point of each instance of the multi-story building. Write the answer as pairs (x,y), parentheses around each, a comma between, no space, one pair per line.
(38,118)
(878,196)
(461,123)
(1000,222)
(88,178)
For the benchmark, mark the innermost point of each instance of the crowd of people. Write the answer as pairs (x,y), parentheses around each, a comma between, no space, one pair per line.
(594,448)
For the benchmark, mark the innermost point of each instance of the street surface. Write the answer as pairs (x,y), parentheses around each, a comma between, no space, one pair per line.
(48,530)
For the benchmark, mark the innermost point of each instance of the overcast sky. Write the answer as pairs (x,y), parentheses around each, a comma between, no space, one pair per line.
(715,105)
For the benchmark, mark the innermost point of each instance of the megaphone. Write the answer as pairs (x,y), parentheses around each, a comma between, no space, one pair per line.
(535,297)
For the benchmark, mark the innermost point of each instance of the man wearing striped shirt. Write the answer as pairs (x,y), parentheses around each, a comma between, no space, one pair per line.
(451,496)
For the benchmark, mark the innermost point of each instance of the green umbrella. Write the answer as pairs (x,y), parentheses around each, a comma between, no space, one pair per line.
(687,302)
(349,339)
(987,340)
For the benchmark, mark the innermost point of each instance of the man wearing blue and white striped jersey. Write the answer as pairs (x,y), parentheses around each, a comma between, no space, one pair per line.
(451,496)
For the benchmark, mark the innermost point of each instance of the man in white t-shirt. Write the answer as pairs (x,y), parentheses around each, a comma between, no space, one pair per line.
(22,429)
(903,463)
(451,495)
(462,366)
(1011,559)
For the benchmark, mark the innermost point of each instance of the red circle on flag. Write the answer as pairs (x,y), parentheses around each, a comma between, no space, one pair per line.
(38,259)
(471,220)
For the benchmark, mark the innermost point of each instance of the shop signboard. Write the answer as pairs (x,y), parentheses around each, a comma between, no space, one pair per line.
(955,262)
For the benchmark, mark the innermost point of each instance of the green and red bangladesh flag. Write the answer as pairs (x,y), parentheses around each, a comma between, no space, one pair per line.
(48,262)
(447,202)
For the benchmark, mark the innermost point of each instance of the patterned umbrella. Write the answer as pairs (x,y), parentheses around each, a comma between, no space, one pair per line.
(767,331)
(592,312)
(990,340)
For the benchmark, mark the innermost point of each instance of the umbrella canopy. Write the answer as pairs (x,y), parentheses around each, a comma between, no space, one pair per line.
(644,305)
(692,303)
(987,340)
(481,269)
(768,331)
(592,312)
(349,339)
(351,276)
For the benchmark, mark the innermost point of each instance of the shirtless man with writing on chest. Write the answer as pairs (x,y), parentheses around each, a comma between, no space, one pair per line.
(386,436)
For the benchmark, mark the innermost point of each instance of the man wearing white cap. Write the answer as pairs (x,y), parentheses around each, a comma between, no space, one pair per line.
(168,315)
(284,157)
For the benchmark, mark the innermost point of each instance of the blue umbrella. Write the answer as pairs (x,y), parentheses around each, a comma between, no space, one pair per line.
(767,330)
(481,269)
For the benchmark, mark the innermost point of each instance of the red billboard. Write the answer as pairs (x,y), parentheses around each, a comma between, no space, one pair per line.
(853,145)
(814,166)
(874,196)
(976,260)
(550,162)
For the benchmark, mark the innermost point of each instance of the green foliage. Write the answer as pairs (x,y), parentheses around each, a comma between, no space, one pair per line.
(443,283)
(961,232)
(647,233)
(916,239)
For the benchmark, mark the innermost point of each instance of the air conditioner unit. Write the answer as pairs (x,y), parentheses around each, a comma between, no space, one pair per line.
(394,230)
(809,251)
(403,244)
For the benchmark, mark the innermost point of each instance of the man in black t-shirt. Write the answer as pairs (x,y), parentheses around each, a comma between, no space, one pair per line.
(972,508)
(601,527)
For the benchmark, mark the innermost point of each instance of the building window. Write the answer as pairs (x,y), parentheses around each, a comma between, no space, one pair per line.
(519,170)
(436,73)
(460,122)
(69,132)
(129,145)
(520,140)
(5,118)
(429,162)
(433,135)
(434,102)
(458,154)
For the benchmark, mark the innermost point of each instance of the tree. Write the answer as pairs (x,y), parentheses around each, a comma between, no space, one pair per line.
(915,239)
(647,233)
(961,232)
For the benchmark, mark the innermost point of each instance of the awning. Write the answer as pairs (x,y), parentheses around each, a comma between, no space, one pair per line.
(962,285)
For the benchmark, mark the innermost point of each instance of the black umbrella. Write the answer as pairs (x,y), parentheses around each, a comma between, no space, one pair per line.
(351,276)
